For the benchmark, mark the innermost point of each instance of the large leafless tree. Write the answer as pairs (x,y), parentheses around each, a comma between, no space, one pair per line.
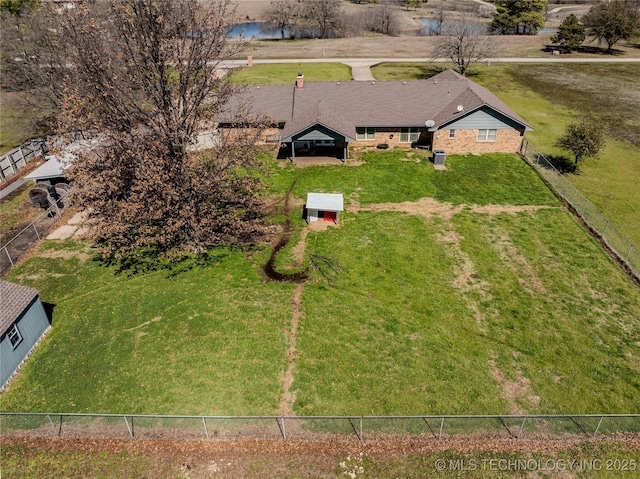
(464,42)
(325,16)
(283,16)
(32,62)
(144,82)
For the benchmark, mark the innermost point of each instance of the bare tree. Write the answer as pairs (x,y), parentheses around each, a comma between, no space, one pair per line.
(441,17)
(383,18)
(323,16)
(283,15)
(145,83)
(32,61)
(465,42)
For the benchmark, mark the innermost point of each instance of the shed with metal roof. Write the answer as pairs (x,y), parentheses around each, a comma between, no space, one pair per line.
(23,322)
(324,206)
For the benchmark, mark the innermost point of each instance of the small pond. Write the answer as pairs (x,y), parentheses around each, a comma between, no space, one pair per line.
(257,30)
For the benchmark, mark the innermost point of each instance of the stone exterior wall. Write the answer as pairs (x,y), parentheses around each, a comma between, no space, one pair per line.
(466,141)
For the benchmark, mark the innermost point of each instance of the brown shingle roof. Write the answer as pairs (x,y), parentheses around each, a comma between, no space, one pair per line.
(14,299)
(344,105)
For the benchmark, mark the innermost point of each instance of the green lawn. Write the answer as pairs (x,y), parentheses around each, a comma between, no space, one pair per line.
(467,310)
(19,121)
(207,341)
(282,73)
(549,97)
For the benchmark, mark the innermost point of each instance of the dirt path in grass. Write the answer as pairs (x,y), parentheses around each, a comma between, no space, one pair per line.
(467,281)
(430,207)
(288,396)
(270,268)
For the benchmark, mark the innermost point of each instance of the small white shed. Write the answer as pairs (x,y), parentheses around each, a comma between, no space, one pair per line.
(324,207)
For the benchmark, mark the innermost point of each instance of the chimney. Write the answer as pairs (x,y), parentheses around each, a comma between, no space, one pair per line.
(300,81)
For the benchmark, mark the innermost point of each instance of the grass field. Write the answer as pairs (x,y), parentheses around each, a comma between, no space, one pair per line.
(488,298)
(18,121)
(16,212)
(550,97)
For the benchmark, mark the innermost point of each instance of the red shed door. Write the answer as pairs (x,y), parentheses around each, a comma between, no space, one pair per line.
(330,216)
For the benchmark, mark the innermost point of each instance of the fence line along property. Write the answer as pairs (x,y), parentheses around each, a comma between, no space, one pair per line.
(320,428)
(37,229)
(18,158)
(617,242)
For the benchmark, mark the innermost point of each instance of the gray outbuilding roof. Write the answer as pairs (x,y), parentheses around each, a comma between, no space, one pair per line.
(52,168)
(343,106)
(14,299)
(325,201)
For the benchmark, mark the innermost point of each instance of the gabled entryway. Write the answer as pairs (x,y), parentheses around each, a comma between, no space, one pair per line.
(317,141)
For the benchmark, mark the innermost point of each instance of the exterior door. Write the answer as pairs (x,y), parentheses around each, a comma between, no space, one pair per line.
(330,216)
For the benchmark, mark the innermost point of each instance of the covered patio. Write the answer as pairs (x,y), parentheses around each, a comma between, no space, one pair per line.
(317,142)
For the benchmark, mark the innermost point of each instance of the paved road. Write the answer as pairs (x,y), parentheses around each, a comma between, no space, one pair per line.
(373,61)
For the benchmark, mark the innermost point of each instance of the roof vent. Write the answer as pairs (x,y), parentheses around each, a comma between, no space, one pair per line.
(448,93)
(404,82)
(337,83)
(459,108)
(373,83)
(435,82)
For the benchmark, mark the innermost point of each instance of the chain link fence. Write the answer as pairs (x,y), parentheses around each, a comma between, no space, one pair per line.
(320,429)
(617,242)
(38,229)
(18,158)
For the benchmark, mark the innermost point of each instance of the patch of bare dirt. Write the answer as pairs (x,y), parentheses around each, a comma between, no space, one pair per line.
(322,225)
(64,254)
(426,207)
(512,391)
(429,207)
(298,249)
(288,396)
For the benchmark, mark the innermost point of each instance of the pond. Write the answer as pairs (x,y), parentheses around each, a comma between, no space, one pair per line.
(258,30)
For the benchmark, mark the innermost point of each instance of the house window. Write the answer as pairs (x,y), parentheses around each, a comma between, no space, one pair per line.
(452,134)
(409,135)
(487,135)
(367,133)
(14,336)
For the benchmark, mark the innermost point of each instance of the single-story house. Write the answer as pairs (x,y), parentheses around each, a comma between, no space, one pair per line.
(23,322)
(446,112)
(324,206)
